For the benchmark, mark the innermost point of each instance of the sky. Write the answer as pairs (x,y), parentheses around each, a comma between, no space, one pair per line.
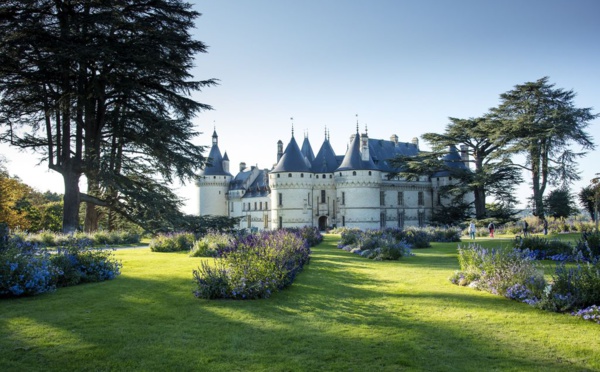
(394,66)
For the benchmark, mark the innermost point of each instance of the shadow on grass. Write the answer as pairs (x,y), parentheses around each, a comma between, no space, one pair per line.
(338,315)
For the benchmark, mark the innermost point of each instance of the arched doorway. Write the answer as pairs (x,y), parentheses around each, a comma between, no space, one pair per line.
(322,223)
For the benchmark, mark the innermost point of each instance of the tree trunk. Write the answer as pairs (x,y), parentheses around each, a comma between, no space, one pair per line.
(71,202)
(92,215)
(480,212)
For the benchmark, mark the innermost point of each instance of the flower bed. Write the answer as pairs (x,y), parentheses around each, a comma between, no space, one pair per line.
(513,273)
(255,266)
(29,269)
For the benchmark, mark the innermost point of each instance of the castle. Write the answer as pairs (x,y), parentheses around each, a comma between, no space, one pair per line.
(326,190)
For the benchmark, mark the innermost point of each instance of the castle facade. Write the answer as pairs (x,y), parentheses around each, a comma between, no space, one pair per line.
(327,190)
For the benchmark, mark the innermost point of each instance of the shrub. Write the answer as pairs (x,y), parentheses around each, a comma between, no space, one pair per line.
(25,269)
(499,270)
(542,248)
(212,243)
(255,267)
(172,242)
(589,245)
(574,287)
(78,263)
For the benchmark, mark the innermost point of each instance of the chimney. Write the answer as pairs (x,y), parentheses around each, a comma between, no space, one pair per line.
(394,139)
(279,150)
(415,141)
(364,144)
(242,166)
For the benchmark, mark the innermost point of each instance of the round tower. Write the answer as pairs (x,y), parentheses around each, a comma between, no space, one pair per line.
(358,183)
(213,182)
(291,189)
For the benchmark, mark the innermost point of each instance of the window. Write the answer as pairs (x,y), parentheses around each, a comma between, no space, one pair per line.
(382,219)
(249,221)
(369,173)
(231,206)
(267,205)
(289,175)
(421,198)
(301,175)
(382,198)
(323,197)
(439,199)
(278,175)
(308,198)
(400,219)
(254,205)
(324,176)
(260,205)
(249,206)
(400,198)
(354,173)
(421,217)
(280,195)
(343,220)
(343,198)
(280,222)
(266,221)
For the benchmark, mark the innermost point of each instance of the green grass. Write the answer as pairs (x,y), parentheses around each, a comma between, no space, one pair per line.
(342,313)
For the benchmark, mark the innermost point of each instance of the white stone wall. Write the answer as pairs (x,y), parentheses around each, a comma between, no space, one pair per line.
(296,190)
(359,192)
(213,195)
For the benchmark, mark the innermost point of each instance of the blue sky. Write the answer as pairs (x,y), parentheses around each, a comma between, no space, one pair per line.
(403,66)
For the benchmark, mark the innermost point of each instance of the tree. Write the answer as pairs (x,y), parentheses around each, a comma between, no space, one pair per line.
(13,194)
(492,174)
(103,88)
(587,200)
(543,123)
(559,203)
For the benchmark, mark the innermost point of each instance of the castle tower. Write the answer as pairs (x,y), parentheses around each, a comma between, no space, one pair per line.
(358,184)
(213,182)
(291,189)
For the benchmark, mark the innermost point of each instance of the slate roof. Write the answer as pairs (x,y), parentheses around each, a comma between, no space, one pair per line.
(214,165)
(451,160)
(382,151)
(353,160)
(326,161)
(292,159)
(260,186)
(307,151)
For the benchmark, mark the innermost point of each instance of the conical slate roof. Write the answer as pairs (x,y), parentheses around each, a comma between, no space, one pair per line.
(214,165)
(292,159)
(353,160)
(451,160)
(326,161)
(307,151)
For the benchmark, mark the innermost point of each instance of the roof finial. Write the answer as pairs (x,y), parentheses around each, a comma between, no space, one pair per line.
(366,129)
(292,119)
(328,135)
(356,123)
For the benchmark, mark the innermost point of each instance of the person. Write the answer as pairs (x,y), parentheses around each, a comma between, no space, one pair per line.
(491,228)
(545,226)
(472,230)
(525,228)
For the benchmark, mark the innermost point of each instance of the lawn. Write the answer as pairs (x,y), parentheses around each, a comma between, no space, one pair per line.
(342,313)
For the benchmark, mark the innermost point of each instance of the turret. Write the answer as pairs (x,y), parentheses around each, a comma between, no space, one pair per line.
(279,150)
